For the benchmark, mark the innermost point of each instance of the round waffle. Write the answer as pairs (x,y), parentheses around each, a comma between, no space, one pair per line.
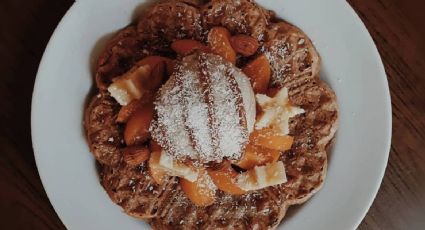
(295,65)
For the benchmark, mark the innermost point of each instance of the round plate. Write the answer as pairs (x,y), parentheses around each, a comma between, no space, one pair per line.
(351,66)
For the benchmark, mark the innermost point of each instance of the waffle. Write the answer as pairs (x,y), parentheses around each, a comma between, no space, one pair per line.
(295,65)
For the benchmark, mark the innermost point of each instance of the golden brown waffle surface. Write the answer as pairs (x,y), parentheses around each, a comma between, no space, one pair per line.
(296,66)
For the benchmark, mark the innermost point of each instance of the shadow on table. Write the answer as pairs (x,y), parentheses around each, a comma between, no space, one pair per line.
(25,29)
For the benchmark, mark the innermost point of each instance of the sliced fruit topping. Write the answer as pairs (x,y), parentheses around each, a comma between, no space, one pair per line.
(152,61)
(155,170)
(271,139)
(176,168)
(154,146)
(201,191)
(127,110)
(128,87)
(259,73)
(277,111)
(262,176)
(161,164)
(135,155)
(257,156)
(244,44)
(147,75)
(186,46)
(219,42)
(158,74)
(137,128)
(225,179)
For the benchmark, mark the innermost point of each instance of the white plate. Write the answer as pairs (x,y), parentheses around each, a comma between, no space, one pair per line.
(351,65)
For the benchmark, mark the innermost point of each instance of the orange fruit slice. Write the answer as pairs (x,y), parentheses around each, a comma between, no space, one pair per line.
(127,110)
(268,138)
(219,42)
(186,46)
(256,156)
(152,61)
(225,179)
(200,191)
(137,127)
(259,72)
(155,170)
(154,146)
(263,176)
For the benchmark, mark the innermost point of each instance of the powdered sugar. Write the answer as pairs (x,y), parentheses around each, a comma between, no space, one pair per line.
(198,113)
(276,55)
(206,185)
(289,53)
(227,122)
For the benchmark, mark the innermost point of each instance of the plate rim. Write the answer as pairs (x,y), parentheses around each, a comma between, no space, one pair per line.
(384,164)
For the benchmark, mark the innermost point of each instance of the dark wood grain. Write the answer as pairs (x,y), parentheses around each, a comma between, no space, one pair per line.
(399,32)
(25,28)
(398,28)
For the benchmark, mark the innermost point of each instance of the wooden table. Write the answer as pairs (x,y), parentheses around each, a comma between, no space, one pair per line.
(397,27)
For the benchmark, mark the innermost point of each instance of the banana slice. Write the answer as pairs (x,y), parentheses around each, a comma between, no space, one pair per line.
(128,87)
(262,176)
(177,169)
(276,111)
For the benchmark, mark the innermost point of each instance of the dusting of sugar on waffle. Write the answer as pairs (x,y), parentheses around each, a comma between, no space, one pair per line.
(197,112)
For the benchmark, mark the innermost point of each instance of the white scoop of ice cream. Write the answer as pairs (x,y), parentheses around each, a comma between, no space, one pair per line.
(205,111)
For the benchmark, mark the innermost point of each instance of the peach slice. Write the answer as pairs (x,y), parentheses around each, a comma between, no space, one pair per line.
(200,192)
(157,66)
(177,168)
(268,138)
(154,146)
(137,127)
(158,75)
(145,77)
(129,87)
(263,176)
(186,46)
(152,61)
(155,170)
(219,42)
(225,179)
(257,156)
(259,72)
(127,110)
